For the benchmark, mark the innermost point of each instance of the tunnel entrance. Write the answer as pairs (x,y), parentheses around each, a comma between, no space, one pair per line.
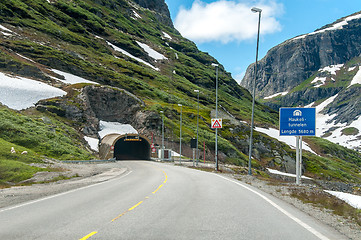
(132,148)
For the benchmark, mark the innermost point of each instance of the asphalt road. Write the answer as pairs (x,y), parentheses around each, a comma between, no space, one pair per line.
(161,201)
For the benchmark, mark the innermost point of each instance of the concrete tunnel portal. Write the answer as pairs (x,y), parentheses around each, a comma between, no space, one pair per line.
(125,147)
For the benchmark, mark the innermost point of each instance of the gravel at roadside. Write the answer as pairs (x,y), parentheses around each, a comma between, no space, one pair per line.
(80,175)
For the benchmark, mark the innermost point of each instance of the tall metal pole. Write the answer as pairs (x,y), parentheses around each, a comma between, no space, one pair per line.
(216,147)
(197,150)
(254,93)
(297,159)
(180,135)
(162,152)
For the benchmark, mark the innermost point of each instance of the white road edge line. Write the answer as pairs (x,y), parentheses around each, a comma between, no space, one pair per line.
(306,226)
(63,193)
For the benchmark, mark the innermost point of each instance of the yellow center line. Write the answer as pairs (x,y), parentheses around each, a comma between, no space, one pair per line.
(158,188)
(130,209)
(147,197)
(88,236)
(136,205)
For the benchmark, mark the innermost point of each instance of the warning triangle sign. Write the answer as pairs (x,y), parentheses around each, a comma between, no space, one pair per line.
(216,123)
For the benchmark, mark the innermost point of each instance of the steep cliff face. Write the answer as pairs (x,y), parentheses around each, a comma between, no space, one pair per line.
(158,6)
(322,70)
(292,62)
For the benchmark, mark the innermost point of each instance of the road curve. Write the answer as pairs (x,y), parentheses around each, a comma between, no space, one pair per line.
(161,201)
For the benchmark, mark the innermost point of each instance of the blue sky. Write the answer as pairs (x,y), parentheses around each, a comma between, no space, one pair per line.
(227,30)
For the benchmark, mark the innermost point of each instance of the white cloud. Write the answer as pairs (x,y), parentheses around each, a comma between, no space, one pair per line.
(239,77)
(227,21)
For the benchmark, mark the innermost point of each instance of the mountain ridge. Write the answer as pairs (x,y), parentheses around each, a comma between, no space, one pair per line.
(310,69)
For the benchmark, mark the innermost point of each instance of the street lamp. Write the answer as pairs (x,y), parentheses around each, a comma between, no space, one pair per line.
(255,10)
(180,135)
(162,151)
(216,150)
(197,153)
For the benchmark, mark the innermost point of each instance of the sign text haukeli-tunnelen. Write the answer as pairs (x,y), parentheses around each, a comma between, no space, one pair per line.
(297,121)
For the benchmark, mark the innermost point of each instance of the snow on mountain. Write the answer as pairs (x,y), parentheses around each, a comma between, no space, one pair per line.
(326,122)
(351,199)
(320,81)
(273,171)
(336,26)
(166,35)
(118,49)
(70,78)
(151,52)
(332,69)
(20,93)
(93,143)
(277,94)
(5,31)
(25,57)
(136,15)
(115,127)
(356,79)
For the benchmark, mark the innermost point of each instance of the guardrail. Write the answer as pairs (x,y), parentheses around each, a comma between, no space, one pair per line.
(89,161)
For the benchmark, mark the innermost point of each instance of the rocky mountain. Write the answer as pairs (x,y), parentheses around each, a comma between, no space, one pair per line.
(320,69)
(67,66)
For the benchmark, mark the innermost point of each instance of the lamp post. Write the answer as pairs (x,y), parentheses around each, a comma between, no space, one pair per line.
(216,150)
(180,135)
(197,153)
(162,151)
(255,10)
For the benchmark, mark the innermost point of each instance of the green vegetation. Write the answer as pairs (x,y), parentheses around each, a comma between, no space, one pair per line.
(44,135)
(350,131)
(13,172)
(336,163)
(14,167)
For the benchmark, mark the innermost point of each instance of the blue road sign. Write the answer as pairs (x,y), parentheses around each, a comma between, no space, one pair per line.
(297,121)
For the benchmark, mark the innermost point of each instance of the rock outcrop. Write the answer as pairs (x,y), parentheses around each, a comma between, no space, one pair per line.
(293,61)
(158,6)
(88,105)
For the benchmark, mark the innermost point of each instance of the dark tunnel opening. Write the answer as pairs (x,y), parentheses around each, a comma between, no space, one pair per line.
(132,148)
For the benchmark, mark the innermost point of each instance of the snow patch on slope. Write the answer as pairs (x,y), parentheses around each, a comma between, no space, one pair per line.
(115,127)
(353,200)
(70,78)
(356,79)
(273,171)
(151,52)
(275,95)
(118,49)
(136,15)
(5,31)
(335,26)
(320,81)
(332,68)
(166,35)
(325,122)
(20,93)
(93,143)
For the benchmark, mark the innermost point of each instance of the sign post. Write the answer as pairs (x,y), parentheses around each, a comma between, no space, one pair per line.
(193,146)
(216,123)
(298,122)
